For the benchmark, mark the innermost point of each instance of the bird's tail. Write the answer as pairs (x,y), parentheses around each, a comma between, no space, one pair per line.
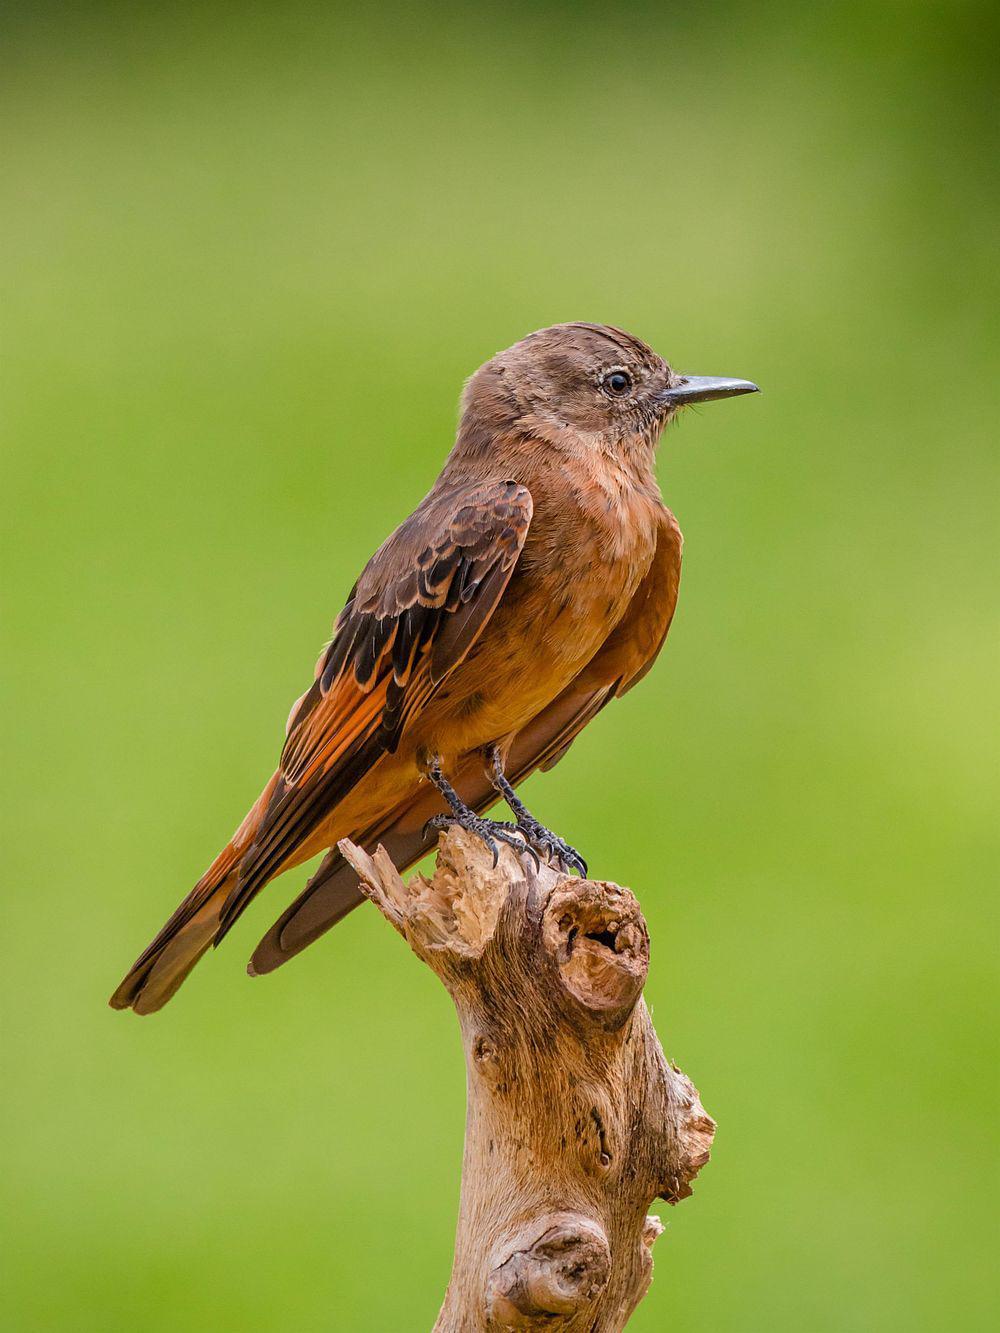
(159,970)
(161,967)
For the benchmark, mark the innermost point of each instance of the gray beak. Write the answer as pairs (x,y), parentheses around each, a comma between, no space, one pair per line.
(703,388)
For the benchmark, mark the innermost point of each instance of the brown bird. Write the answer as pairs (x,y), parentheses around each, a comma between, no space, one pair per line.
(534,583)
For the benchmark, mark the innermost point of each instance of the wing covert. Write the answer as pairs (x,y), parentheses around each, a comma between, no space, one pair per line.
(415,612)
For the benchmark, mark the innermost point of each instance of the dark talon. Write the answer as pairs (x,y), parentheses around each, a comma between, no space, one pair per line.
(575,861)
(564,856)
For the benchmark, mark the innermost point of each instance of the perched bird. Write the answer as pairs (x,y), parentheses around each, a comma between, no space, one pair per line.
(533,584)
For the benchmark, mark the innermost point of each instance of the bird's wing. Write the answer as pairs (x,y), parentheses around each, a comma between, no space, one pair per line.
(625,657)
(417,609)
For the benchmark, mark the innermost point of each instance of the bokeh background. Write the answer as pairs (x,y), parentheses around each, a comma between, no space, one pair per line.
(250,254)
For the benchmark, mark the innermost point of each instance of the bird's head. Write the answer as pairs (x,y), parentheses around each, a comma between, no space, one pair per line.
(585,382)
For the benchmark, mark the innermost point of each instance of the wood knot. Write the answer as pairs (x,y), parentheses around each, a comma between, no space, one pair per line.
(559,1272)
(596,933)
(486,1060)
(595,1130)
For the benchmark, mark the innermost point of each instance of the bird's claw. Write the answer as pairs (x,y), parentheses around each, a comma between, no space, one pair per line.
(535,840)
(555,850)
(490,831)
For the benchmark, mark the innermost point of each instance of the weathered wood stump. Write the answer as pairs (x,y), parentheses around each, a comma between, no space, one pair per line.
(576,1121)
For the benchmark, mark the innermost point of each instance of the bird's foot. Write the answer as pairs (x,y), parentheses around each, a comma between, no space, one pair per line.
(541,840)
(556,850)
(491,831)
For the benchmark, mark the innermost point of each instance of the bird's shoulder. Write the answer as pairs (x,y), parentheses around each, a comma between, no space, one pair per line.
(469,524)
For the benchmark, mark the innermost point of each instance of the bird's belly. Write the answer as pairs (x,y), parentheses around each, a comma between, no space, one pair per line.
(540,637)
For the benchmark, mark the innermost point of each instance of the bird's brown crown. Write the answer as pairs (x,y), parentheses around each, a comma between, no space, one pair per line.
(590,381)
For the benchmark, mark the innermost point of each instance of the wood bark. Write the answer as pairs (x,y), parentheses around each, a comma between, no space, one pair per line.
(576,1121)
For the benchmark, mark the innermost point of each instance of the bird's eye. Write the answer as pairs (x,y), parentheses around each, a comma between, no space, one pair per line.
(617,383)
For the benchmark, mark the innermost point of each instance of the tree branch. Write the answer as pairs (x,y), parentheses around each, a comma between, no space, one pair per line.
(576,1121)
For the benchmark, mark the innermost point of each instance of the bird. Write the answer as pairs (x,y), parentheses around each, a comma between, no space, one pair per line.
(533,584)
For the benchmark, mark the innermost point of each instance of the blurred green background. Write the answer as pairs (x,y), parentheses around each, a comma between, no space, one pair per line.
(250,254)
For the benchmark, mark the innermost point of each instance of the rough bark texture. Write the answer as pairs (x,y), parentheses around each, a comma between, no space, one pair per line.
(576,1121)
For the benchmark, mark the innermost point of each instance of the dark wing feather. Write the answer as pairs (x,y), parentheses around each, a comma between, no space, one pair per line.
(417,609)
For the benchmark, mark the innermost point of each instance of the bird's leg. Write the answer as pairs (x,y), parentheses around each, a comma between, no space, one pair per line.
(491,831)
(541,839)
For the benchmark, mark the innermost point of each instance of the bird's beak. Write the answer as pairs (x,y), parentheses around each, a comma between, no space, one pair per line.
(703,388)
